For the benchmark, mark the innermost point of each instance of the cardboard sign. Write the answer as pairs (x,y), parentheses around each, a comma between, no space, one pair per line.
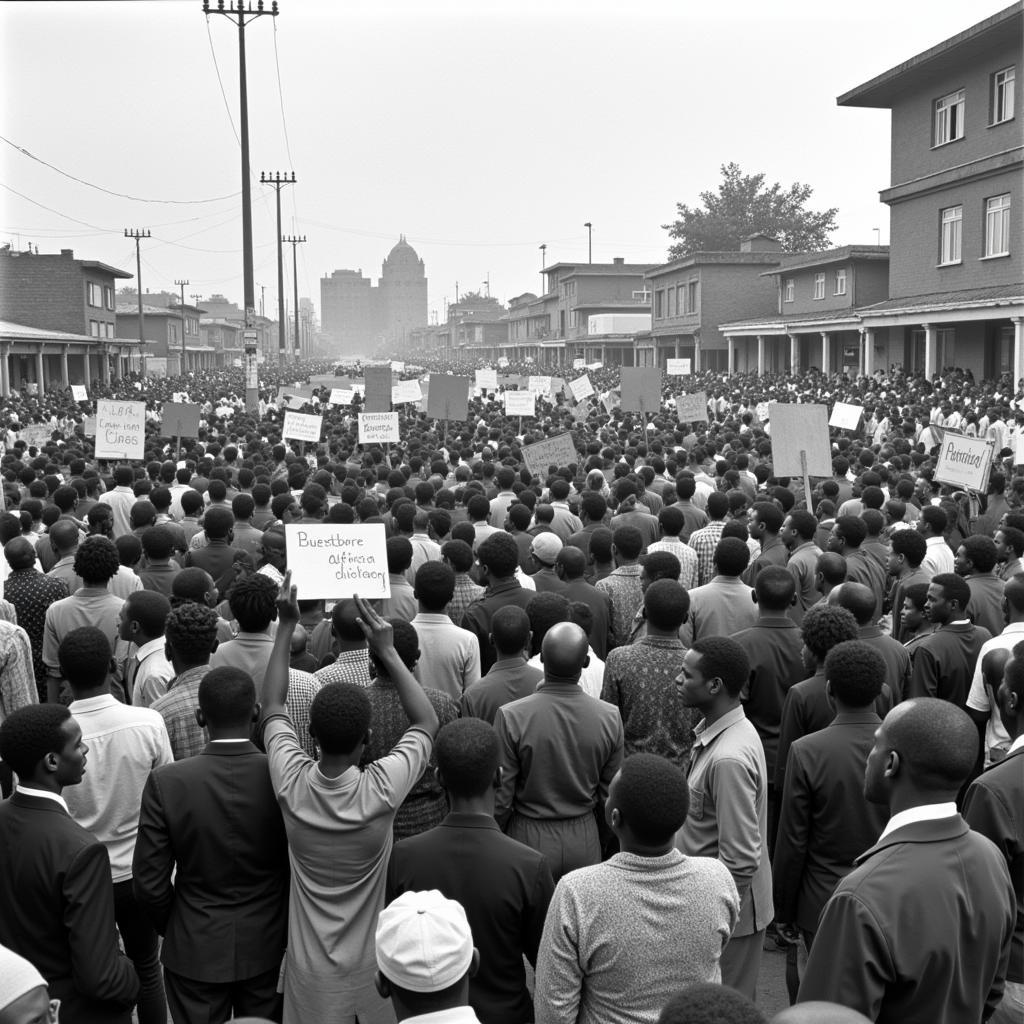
(761,411)
(594,366)
(539,385)
(378,388)
(448,397)
(610,401)
(693,408)
(797,428)
(487,380)
(341,396)
(641,389)
(845,416)
(406,391)
(552,451)
(581,388)
(1018,449)
(180,419)
(378,427)
(678,367)
(964,462)
(397,366)
(502,362)
(35,435)
(520,403)
(335,560)
(120,430)
(300,426)
(89,426)
(579,364)
(79,393)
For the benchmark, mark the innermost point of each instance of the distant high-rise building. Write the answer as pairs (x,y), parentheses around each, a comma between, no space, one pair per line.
(403,286)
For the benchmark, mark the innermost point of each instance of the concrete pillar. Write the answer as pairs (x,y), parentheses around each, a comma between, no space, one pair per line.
(760,354)
(1018,349)
(104,357)
(677,347)
(40,367)
(732,355)
(64,379)
(929,350)
(87,367)
(5,372)
(825,367)
(867,345)
(696,354)
(794,354)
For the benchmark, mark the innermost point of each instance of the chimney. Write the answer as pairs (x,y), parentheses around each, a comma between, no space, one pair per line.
(760,243)
(70,253)
(618,261)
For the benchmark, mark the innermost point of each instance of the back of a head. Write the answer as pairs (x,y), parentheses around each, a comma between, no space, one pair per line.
(243,506)
(936,741)
(825,626)
(510,628)
(399,554)
(191,631)
(816,1012)
(217,522)
(467,755)
(652,798)
(856,672)
(339,717)
(601,545)
(564,650)
(671,520)
(84,656)
(435,586)
(852,530)
(707,1003)
(227,697)
(628,541)
(666,603)
(150,610)
(911,545)
(832,567)
(857,599)
(572,561)
(544,611)
(158,543)
(253,602)
(775,588)
(718,504)
(661,565)
(500,555)
(732,556)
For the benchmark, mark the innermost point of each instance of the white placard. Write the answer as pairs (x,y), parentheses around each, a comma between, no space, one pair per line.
(378,427)
(487,380)
(120,429)
(341,396)
(693,408)
(300,426)
(594,366)
(1018,449)
(406,391)
(79,393)
(581,388)
(336,560)
(964,461)
(520,403)
(678,367)
(539,385)
(796,429)
(579,364)
(503,361)
(845,416)
(397,366)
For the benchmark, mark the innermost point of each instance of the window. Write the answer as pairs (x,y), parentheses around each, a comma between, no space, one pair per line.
(93,294)
(789,290)
(841,281)
(691,297)
(659,304)
(108,296)
(108,331)
(172,331)
(94,328)
(950,235)
(671,302)
(1002,95)
(819,286)
(997,226)
(949,118)
(680,300)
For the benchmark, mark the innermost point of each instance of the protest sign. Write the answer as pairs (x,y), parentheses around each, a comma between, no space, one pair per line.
(120,429)
(594,366)
(406,391)
(341,396)
(539,385)
(520,403)
(378,388)
(581,388)
(761,411)
(180,419)
(796,429)
(678,367)
(302,427)
(378,427)
(1018,449)
(448,397)
(641,389)
(693,408)
(502,362)
(579,364)
(35,435)
(335,560)
(397,366)
(89,426)
(610,400)
(845,416)
(79,393)
(487,380)
(552,451)
(964,461)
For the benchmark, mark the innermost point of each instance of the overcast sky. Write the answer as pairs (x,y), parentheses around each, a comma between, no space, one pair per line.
(478,128)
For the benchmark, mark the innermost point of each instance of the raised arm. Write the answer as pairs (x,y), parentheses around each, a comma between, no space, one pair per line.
(275,683)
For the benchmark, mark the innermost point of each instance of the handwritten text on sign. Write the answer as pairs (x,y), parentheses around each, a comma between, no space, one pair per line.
(378,427)
(302,427)
(79,393)
(333,560)
(964,461)
(120,429)
(581,388)
(553,451)
(519,403)
(693,408)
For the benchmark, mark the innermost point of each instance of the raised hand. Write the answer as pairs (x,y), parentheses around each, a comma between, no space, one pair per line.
(380,637)
(287,602)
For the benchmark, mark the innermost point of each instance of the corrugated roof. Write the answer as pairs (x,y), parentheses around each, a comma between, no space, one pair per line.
(1010,292)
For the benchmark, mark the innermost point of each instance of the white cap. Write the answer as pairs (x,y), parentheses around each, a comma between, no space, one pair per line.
(17,977)
(424,943)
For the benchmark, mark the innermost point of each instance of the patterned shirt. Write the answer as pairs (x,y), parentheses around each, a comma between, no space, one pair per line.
(17,682)
(623,587)
(466,592)
(349,667)
(32,593)
(704,542)
(178,708)
(640,681)
(688,568)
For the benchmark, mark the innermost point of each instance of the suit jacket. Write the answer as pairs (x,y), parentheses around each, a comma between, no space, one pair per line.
(919,931)
(57,910)
(504,887)
(600,605)
(942,664)
(215,818)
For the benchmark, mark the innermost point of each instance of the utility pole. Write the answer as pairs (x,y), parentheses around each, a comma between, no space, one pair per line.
(263,297)
(139,234)
(590,239)
(543,263)
(195,296)
(487,284)
(277,179)
(181,285)
(295,240)
(236,12)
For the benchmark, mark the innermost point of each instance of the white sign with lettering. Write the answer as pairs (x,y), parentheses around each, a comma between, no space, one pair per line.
(378,427)
(520,403)
(335,560)
(120,429)
(302,427)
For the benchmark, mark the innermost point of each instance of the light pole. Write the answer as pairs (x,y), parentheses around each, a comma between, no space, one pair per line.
(543,263)
(295,240)
(181,285)
(277,180)
(590,239)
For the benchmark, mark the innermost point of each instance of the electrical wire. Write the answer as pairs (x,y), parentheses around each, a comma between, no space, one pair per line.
(50,209)
(216,67)
(280,96)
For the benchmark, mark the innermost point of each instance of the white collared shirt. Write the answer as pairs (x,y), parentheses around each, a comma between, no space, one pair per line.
(924,812)
(1016,744)
(43,794)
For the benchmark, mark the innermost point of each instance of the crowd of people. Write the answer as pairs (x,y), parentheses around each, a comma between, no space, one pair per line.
(619,726)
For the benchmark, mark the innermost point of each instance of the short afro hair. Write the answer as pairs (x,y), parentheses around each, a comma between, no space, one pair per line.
(667,604)
(954,588)
(852,529)
(435,585)
(499,554)
(722,657)
(826,625)
(459,555)
(227,696)
(545,610)
(911,545)
(84,656)
(628,540)
(981,551)
(96,561)
(856,672)
(661,565)
(29,734)
(467,756)
(775,588)
(253,602)
(191,630)
(149,609)
(707,1003)
(339,717)
(652,797)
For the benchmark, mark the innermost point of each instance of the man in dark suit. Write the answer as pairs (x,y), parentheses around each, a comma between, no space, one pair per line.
(921,928)
(572,569)
(215,820)
(504,886)
(56,894)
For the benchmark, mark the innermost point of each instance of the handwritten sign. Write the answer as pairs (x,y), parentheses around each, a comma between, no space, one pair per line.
(378,388)
(335,560)
(35,435)
(552,451)
(120,429)
(693,408)
(79,393)
(641,389)
(678,367)
(300,426)
(378,427)
(845,416)
(341,396)
(397,366)
(502,362)
(180,419)
(964,461)
(579,364)
(539,385)
(520,403)
(796,429)
(448,398)
(487,380)
(581,388)
(594,366)
(406,391)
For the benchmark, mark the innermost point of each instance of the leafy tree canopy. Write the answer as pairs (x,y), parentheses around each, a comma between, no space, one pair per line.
(743,206)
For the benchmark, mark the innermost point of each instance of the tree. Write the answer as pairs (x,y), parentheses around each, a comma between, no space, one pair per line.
(744,205)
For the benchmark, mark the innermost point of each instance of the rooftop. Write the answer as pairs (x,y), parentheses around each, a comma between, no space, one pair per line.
(694,259)
(843,253)
(25,333)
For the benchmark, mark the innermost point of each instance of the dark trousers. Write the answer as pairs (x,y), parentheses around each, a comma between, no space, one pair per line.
(210,1002)
(142,946)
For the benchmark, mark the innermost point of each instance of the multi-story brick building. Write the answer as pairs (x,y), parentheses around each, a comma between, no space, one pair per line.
(956,272)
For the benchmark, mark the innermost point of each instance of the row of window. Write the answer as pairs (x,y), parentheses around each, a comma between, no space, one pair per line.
(101,329)
(997,230)
(838,285)
(677,301)
(99,296)
(948,123)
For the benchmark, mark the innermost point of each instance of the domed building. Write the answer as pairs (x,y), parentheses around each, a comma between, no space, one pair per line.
(403,293)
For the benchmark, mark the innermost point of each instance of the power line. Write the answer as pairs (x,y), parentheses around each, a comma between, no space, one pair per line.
(224,95)
(50,209)
(280,96)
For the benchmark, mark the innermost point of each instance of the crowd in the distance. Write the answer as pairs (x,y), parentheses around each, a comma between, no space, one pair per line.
(619,728)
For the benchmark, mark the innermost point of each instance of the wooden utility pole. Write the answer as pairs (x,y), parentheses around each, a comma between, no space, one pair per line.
(181,285)
(277,180)
(295,240)
(138,234)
